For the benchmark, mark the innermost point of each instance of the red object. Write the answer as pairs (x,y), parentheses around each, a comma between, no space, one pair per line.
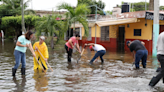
(90,47)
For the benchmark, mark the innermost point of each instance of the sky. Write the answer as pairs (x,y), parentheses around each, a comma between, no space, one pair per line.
(51,4)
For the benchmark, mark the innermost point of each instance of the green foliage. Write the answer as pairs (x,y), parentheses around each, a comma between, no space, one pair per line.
(76,15)
(140,6)
(108,12)
(99,3)
(13,8)
(29,12)
(12,24)
(16,21)
(49,25)
(161,7)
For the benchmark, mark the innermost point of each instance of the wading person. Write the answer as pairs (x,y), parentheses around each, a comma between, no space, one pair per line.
(139,52)
(70,45)
(20,50)
(100,52)
(41,53)
(160,57)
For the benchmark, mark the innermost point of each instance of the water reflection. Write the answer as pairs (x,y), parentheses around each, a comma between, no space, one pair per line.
(115,75)
(19,87)
(70,65)
(41,80)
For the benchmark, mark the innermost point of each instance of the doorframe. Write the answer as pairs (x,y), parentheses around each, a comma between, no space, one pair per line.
(118,40)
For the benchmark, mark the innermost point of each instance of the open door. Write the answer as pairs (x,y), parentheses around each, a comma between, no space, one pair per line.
(121,39)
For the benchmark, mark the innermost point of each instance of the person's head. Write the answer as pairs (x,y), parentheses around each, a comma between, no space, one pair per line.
(128,43)
(29,35)
(91,48)
(41,39)
(77,37)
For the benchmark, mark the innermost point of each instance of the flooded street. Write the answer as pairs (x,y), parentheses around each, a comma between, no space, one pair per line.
(115,75)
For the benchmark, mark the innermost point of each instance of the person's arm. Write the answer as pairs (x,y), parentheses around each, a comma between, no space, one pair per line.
(46,53)
(77,45)
(70,42)
(89,44)
(142,43)
(133,55)
(21,45)
(34,47)
(31,49)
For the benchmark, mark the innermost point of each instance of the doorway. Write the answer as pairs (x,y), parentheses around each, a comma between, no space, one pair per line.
(121,39)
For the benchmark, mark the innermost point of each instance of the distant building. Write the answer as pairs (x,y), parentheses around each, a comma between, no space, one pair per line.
(116,10)
(44,13)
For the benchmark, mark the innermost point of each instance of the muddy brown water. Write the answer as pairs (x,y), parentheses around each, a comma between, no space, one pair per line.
(115,75)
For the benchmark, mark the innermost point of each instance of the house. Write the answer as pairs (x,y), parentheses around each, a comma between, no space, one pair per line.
(113,33)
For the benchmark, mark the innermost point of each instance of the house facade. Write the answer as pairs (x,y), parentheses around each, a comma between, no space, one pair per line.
(113,33)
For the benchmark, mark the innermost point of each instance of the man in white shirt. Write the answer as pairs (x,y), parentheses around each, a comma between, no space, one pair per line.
(100,52)
(160,57)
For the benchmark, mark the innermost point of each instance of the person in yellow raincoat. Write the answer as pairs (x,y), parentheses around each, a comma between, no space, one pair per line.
(42,47)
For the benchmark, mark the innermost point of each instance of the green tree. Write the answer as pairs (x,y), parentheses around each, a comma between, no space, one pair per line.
(108,12)
(151,5)
(13,8)
(76,15)
(139,6)
(99,3)
(12,25)
(161,8)
(49,25)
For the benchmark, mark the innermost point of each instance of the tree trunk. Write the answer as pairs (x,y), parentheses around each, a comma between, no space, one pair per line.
(23,25)
(151,5)
(52,42)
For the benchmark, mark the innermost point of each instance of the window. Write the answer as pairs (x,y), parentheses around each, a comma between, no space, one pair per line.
(105,33)
(137,32)
(89,35)
(77,31)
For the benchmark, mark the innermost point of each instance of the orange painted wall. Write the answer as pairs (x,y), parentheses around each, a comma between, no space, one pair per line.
(112,31)
(146,31)
(129,31)
(98,32)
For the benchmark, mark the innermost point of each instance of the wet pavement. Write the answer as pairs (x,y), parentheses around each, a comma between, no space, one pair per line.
(116,75)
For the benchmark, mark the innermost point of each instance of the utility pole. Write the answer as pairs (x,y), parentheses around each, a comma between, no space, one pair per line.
(95,19)
(155,26)
(31,5)
(23,25)
(145,5)
(95,23)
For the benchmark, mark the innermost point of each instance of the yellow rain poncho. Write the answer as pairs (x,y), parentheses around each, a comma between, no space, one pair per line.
(43,49)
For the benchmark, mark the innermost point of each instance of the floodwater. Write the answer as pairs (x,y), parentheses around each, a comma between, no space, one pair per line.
(115,75)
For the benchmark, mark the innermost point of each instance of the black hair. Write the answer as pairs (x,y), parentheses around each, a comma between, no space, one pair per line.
(77,35)
(28,34)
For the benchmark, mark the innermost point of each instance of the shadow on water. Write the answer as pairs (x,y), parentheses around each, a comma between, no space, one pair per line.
(19,86)
(116,74)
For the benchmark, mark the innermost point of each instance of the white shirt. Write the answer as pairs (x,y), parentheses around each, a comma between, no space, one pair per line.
(98,47)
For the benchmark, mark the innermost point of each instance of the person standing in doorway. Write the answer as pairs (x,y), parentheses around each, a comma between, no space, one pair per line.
(139,52)
(41,48)
(160,57)
(100,52)
(70,45)
(20,50)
